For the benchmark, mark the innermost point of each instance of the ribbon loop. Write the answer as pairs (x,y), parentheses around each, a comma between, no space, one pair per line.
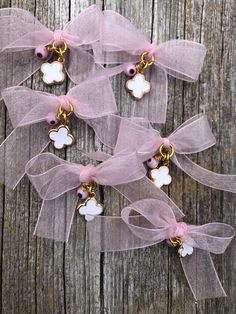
(182,59)
(193,136)
(148,226)
(52,176)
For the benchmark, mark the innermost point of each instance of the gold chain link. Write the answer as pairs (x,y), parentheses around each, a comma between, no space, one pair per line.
(90,188)
(165,155)
(63,115)
(178,243)
(60,51)
(144,62)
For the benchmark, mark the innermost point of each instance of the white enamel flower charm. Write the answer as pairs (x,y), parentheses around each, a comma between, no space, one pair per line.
(90,209)
(138,86)
(53,73)
(160,176)
(61,137)
(185,250)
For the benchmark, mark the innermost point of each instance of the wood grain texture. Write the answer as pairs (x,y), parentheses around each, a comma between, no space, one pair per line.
(45,277)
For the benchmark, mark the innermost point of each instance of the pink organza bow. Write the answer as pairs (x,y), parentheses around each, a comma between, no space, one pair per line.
(193,136)
(156,222)
(121,43)
(29,110)
(21,33)
(57,180)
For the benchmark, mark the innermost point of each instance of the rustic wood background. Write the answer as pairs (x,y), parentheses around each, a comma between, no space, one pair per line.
(41,276)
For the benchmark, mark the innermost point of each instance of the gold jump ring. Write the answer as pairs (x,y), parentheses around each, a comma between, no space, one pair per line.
(163,154)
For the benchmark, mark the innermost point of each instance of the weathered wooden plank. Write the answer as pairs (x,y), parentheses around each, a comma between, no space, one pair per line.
(133,281)
(32,277)
(180,108)
(2,189)
(82,268)
(15,248)
(41,276)
(50,292)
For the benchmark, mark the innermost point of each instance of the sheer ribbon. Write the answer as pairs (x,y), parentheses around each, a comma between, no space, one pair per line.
(140,189)
(151,221)
(21,33)
(57,180)
(121,43)
(28,111)
(193,136)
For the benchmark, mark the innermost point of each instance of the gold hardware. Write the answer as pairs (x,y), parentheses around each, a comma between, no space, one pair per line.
(60,51)
(90,188)
(178,243)
(164,152)
(64,115)
(163,156)
(144,63)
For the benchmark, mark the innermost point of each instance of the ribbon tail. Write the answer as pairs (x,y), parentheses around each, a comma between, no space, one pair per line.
(107,72)
(96,99)
(111,233)
(85,28)
(201,275)
(19,147)
(153,106)
(56,216)
(98,156)
(16,67)
(106,129)
(107,233)
(80,63)
(204,176)
(145,188)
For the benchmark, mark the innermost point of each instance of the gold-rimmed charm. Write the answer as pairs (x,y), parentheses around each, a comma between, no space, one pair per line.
(90,207)
(160,174)
(182,248)
(138,86)
(53,72)
(61,136)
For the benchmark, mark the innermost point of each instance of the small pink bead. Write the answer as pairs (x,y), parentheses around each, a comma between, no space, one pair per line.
(41,52)
(51,118)
(82,194)
(130,70)
(152,163)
